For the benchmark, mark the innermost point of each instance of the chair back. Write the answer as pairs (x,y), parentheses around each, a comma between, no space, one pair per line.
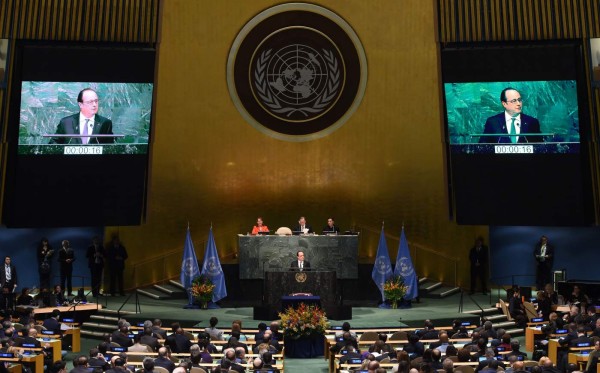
(399,336)
(283,231)
(161,370)
(505,311)
(369,336)
(464,369)
(197,370)
(530,310)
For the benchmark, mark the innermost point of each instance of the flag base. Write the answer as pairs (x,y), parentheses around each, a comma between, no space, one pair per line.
(384,306)
(191,307)
(213,306)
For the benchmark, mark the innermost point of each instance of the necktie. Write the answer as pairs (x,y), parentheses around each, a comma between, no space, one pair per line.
(84,140)
(512,131)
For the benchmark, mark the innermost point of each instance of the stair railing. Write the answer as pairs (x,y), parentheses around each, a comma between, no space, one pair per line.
(138,308)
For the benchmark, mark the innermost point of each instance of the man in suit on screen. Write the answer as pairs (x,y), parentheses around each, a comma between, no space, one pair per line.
(86,122)
(512,122)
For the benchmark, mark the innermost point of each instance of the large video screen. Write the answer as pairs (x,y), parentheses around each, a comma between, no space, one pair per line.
(480,117)
(517,133)
(53,115)
(79,134)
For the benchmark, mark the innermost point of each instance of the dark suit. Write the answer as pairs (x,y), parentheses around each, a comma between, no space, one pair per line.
(306,226)
(328,229)
(122,339)
(497,124)
(544,265)
(70,126)
(52,324)
(165,363)
(66,269)
(95,256)
(294,266)
(7,296)
(479,263)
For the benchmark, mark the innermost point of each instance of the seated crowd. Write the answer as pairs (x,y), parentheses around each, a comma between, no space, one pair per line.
(489,349)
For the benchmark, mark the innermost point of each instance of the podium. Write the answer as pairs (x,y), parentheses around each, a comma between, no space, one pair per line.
(283,283)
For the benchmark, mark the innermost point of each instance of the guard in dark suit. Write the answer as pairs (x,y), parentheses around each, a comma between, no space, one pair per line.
(95,256)
(300,264)
(511,122)
(302,226)
(66,257)
(544,256)
(8,281)
(87,116)
(478,256)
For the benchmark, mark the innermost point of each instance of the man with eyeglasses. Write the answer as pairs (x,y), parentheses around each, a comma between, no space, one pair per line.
(516,126)
(86,122)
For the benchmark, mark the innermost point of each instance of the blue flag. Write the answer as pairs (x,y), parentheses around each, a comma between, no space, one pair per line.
(189,265)
(211,268)
(382,269)
(404,268)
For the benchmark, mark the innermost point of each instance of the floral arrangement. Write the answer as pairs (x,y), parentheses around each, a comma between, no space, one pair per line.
(202,288)
(394,289)
(304,321)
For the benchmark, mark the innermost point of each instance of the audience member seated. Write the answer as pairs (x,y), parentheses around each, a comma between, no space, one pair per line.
(261,330)
(436,359)
(148,366)
(551,294)
(428,331)
(505,342)
(442,344)
(548,367)
(448,366)
(275,333)
(464,355)
(149,339)
(515,348)
(490,357)
(158,330)
(163,360)
(345,328)
(137,346)
(414,347)
(234,343)
(592,361)
(461,333)
(204,336)
(97,360)
(178,342)
(52,322)
(215,334)
(25,299)
(30,339)
(472,346)
(341,344)
(544,305)
(121,337)
(577,297)
(269,363)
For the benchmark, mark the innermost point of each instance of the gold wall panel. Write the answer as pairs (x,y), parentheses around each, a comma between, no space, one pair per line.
(385,164)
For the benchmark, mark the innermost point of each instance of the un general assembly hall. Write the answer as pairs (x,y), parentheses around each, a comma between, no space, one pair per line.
(199,186)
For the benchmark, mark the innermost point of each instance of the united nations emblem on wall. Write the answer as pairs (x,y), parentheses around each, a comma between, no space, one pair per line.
(297,71)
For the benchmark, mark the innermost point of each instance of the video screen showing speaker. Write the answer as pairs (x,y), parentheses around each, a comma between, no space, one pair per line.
(79,134)
(480,117)
(517,133)
(54,116)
